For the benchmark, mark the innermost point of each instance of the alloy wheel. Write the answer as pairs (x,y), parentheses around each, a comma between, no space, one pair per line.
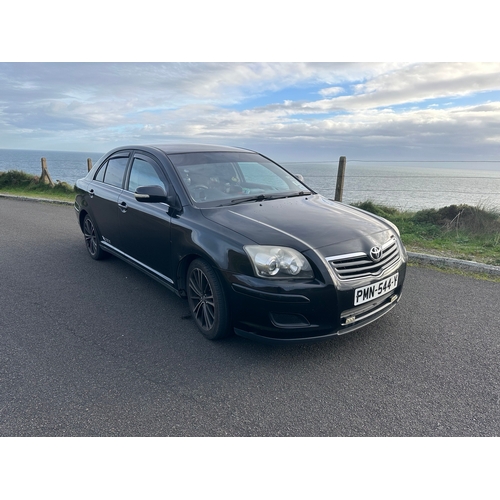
(207,300)
(202,297)
(90,236)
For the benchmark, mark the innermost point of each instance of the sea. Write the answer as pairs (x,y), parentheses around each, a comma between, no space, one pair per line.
(408,185)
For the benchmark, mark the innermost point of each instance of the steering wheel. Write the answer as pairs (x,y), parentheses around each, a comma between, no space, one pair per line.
(198,194)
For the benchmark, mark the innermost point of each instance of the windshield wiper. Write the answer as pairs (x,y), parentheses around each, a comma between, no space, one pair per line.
(260,197)
(300,193)
(291,195)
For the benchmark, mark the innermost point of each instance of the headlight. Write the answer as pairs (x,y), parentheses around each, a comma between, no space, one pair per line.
(278,262)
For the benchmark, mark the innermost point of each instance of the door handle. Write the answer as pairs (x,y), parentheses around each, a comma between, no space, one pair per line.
(122,206)
(91,192)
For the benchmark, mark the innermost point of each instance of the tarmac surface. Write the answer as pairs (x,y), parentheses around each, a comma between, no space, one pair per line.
(99,349)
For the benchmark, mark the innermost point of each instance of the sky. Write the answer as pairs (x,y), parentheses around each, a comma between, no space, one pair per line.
(55,99)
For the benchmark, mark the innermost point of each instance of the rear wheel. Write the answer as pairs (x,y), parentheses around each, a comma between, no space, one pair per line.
(207,301)
(92,238)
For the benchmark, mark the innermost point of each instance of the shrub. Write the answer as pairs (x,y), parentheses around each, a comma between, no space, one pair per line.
(472,220)
(20,180)
(17,178)
(380,210)
(435,224)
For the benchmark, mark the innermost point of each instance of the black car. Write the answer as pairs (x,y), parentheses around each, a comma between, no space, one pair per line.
(253,249)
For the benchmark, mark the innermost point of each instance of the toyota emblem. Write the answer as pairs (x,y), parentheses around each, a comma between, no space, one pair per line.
(376,253)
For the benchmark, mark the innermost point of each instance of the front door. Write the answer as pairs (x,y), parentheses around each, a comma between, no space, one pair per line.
(145,227)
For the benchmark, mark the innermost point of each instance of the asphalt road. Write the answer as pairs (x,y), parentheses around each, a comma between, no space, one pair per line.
(98,349)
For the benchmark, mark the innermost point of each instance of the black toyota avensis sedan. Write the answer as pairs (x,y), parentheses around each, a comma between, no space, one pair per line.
(253,249)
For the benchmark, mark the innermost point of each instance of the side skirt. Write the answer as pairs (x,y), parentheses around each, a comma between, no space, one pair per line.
(164,280)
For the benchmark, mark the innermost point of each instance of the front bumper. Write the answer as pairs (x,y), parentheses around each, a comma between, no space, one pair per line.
(288,312)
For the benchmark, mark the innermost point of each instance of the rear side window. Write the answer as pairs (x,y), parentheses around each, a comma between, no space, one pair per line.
(115,171)
(112,171)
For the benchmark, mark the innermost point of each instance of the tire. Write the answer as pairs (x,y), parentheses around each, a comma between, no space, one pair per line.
(207,301)
(92,239)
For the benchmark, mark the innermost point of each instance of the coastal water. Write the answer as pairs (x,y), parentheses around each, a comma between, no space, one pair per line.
(64,166)
(410,186)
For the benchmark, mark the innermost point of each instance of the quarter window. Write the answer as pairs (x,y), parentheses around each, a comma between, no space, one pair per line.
(100,173)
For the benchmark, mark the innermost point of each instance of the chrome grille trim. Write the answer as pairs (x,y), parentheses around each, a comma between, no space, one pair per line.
(360,265)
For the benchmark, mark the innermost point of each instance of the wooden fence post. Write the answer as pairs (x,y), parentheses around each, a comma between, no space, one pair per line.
(89,164)
(45,177)
(339,190)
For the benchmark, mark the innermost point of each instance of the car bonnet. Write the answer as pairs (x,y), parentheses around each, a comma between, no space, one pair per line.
(302,222)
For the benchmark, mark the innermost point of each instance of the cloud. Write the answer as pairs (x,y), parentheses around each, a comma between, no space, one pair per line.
(415,83)
(331,91)
(360,105)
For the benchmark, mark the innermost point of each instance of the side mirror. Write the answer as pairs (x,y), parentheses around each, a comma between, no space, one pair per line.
(150,194)
(299,177)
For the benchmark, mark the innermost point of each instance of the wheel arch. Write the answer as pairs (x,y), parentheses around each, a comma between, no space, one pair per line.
(81,218)
(184,264)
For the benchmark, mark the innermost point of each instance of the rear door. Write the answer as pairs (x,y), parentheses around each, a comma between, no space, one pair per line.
(104,192)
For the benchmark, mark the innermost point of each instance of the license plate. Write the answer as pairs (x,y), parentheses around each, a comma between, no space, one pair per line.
(376,290)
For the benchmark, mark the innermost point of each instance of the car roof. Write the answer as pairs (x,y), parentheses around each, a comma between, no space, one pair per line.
(168,149)
(195,148)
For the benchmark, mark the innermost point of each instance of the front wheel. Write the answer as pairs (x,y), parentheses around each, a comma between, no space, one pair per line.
(207,301)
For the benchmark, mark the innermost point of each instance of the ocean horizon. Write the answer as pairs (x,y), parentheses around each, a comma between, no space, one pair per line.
(403,185)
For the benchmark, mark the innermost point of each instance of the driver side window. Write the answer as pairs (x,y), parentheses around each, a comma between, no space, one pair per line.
(143,173)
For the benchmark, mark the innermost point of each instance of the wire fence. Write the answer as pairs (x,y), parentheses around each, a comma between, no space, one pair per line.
(409,184)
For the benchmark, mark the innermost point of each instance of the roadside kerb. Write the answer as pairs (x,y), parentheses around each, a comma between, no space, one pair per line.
(465,265)
(29,198)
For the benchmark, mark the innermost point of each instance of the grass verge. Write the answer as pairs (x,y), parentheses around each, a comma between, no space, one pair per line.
(457,231)
(19,183)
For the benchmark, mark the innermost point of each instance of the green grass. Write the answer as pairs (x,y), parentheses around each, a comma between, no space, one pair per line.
(22,184)
(457,231)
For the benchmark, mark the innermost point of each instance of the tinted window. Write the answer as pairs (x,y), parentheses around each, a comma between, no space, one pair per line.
(143,173)
(220,176)
(257,173)
(100,173)
(114,171)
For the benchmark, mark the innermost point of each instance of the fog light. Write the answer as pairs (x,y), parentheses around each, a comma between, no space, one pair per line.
(283,320)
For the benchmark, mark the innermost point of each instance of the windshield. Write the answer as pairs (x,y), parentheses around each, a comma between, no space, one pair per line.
(226,178)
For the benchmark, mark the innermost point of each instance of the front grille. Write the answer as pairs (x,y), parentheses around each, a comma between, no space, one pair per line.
(359,265)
